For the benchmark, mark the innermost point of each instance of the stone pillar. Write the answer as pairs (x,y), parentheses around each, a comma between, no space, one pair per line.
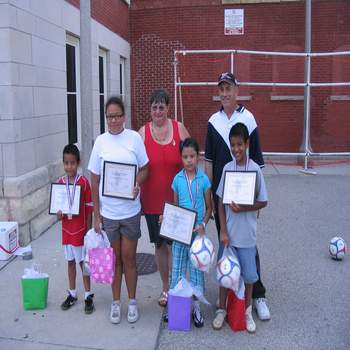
(86,83)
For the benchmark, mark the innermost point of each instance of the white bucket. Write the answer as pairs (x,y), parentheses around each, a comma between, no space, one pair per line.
(8,239)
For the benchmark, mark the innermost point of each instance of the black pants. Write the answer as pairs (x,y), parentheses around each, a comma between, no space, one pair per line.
(258,288)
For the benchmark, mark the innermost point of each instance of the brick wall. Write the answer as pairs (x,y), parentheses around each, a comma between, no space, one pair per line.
(114,14)
(159,27)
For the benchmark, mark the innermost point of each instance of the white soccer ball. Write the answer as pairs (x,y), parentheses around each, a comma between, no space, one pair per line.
(202,253)
(337,248)
(228,272)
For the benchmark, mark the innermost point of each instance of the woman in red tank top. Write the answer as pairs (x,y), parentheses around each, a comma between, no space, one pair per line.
(162,137)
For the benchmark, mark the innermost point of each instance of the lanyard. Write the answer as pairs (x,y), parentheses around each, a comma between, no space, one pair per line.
(193,199)
(245,167)
(71,195)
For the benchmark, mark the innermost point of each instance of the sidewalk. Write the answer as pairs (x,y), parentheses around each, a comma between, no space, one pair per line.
(53,329)
(307,291)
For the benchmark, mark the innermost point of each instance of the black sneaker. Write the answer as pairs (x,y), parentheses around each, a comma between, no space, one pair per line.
(89,304)
(165,316)
(70,301)
(197,315)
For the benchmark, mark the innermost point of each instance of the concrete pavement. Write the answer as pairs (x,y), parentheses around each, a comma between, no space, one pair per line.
(53,329)
(307,291)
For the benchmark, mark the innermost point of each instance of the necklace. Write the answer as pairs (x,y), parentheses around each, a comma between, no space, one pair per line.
(165,134)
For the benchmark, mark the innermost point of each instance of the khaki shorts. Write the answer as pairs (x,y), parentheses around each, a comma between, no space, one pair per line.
(129,228)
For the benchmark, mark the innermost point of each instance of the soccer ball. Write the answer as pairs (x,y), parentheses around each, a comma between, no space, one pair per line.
(202,253)
(228,272)
(337,248)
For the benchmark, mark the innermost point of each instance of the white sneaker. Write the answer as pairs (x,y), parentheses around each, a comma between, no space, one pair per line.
(219,319)
(133,313)
(262,309)
(115,312)
(250,324)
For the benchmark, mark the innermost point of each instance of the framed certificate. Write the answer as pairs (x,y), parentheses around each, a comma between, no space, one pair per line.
(119,180)
(178,223)
(59,199)
(239,187)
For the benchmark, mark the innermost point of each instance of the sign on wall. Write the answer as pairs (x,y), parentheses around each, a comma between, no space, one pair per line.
(234,21)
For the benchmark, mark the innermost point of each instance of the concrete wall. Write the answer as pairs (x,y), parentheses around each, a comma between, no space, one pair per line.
(33,106)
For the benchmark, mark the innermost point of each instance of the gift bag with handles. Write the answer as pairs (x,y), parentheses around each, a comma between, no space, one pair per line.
(102,262)
(35,285)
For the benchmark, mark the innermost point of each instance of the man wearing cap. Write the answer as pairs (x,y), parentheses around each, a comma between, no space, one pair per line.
(218,154)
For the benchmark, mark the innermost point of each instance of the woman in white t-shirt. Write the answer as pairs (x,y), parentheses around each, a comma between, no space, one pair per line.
(119,217)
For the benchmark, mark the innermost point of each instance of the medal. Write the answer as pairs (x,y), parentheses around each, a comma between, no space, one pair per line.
(193,198)
(70,195)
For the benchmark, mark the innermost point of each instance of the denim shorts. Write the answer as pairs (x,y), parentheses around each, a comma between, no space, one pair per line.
(246,258)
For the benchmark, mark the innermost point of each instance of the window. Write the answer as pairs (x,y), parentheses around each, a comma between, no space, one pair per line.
(102,76)
(73,89)
(122,77)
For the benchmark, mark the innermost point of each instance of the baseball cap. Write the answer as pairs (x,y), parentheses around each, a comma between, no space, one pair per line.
(228,78)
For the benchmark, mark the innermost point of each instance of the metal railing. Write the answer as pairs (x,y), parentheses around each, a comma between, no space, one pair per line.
(307,152)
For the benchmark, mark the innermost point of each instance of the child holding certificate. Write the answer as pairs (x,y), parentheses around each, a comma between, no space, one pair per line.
(74,227)
(238,222)
(191,188)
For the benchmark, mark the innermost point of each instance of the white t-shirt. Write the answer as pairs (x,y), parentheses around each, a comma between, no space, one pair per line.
(126,147)
(241,227)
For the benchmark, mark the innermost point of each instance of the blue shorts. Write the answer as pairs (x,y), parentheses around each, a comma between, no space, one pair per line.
(246,258)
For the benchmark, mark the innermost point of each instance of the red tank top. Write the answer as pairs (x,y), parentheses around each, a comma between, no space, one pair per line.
(164,164)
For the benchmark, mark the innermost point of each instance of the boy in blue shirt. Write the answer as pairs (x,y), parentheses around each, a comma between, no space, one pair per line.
(238,223)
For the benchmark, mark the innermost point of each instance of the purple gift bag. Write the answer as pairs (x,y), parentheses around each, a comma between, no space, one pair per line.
(179,313)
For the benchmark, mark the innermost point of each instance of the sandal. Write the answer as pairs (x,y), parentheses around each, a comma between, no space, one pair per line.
(219,319)
(163,299)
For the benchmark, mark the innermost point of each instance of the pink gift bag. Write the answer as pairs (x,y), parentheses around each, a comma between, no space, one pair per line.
(102,265)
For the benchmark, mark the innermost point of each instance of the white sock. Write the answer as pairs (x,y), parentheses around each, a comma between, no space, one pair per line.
(132,302)
(73,292)
(116,302)
(87,294)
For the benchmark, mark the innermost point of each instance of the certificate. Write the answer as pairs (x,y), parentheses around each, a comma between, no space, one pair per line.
(59,199)
(178,223)
(119,180)
(239,187)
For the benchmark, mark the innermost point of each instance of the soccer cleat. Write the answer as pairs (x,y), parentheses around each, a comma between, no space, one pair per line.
(197,315)
(89,304)
(115,312)
(133,313)
(262,309)
(70,301)
(250,324)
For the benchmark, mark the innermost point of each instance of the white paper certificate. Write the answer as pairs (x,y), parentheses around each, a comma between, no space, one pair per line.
(119,180)
(59,199)
(239,187)
(178,223)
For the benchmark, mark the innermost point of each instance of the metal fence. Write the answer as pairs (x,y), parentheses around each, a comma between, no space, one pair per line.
(307,84)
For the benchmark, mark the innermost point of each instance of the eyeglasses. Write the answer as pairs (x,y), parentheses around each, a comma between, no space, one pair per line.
(114,116)
(160,108)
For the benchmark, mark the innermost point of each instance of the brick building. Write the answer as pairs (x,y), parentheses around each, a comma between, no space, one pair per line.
(159,27)
(40,95)
(132,53)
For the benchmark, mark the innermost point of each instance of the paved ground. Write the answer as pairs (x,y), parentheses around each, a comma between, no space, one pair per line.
(308,292)
(53,329)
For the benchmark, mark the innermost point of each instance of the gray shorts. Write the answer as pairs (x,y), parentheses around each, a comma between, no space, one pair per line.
(129,227)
